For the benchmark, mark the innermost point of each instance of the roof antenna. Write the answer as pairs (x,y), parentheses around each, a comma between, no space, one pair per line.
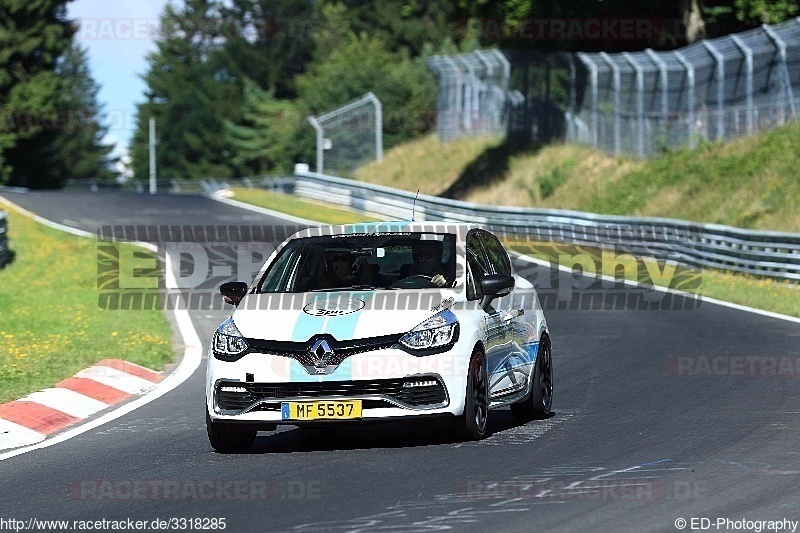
(414,208)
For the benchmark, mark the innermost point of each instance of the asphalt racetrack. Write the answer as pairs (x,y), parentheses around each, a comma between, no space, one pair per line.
(669,412)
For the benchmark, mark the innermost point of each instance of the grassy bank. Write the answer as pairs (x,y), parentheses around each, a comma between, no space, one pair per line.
(291,205)
(749,183)
(50,323)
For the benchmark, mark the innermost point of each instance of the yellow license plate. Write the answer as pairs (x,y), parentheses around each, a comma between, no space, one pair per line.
(321,410)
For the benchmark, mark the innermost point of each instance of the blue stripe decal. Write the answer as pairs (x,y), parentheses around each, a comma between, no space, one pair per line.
(343,328)
(379,227)
(340,327)
(307,326)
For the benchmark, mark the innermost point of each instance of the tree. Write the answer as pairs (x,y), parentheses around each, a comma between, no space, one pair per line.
(405,87)
(269,41)
(34,34)
(270,136)
(766,11)
(403,27)
(191,92)
(72,146)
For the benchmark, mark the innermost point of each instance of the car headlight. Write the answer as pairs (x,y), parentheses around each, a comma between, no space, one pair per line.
(228,342)
(440,330)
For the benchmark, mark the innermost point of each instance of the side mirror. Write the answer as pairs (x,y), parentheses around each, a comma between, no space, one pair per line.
(233,291)
(494,286)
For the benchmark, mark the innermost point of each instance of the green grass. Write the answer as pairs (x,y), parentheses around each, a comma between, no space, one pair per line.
(750,182)
(51,325)
(427,164)
(291,205)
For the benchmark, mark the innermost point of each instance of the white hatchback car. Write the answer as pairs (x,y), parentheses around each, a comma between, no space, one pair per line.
(379,321)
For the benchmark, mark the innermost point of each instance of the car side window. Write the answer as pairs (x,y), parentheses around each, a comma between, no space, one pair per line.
(475,245)
(496,254)
(475,275)
(478,265)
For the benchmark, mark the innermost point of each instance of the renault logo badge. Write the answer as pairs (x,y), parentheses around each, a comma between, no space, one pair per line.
(320,351)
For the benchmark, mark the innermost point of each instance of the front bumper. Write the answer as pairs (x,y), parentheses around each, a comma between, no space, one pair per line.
(390,383)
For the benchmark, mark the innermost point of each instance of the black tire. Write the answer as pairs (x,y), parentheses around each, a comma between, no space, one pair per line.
(538,404)
(225,439)
(473,424)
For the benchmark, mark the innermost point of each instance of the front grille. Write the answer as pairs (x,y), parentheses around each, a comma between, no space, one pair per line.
(341,349)
(277,392)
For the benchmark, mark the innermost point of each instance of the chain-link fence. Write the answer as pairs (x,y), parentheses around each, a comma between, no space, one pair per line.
(638,103)
(473,94)
(350,135)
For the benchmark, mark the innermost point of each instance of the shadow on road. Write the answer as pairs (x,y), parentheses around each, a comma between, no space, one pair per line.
(371,436)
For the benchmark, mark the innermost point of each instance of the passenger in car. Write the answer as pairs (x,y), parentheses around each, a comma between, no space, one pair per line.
(342,268)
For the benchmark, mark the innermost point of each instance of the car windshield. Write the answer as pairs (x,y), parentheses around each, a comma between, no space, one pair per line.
(362,262)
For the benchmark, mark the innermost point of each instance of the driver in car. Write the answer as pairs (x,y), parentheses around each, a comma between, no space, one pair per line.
(427,262)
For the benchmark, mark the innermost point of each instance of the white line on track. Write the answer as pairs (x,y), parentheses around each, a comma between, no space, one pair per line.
(714,301)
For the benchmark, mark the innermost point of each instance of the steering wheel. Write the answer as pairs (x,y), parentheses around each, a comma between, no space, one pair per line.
(414,281)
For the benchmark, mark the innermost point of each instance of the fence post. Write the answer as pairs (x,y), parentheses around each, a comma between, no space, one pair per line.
(570,59)
(780,44)
(720,62)
(593,82)
(690,79)
(458,96)
(320,143)
(469,88)
(506,69)
(662,70)
(489,119)
(616,78)
(748,59)
(639,102)
(378,126)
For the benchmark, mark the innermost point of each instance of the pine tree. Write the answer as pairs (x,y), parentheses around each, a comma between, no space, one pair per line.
(34,34)
(80,148)
(270,41)
(191,92)
(73,147)
(270,135)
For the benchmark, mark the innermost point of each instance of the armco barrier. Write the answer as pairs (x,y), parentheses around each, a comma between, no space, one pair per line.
(760,253)
(4,253)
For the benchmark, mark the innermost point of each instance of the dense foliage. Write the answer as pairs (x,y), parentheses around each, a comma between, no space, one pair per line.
(51,129)
(231,82)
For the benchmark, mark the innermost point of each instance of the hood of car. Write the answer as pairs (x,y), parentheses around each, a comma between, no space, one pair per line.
(344,315)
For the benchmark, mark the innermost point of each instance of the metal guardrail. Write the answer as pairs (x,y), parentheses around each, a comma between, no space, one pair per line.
(4,252)
(759,253)
(174,186)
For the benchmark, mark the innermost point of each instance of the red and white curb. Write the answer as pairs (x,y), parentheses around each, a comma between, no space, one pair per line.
(31,419)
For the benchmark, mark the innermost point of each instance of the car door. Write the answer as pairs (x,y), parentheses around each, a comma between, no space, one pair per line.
(511,372)
(496,327)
